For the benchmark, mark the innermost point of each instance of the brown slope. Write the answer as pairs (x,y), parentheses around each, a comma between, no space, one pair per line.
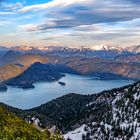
(19,64)
(26,59)
(94,65)
(123,69)
(29,59)
(10,71)
(130,58)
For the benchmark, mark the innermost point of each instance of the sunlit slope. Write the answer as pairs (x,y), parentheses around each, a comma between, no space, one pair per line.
(26,59)
(16,65)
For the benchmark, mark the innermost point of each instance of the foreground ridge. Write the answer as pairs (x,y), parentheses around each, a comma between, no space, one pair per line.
(15,128)
(119,117)
(112,114)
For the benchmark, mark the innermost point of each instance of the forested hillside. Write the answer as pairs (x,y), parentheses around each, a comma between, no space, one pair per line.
(114,116)
(15,128)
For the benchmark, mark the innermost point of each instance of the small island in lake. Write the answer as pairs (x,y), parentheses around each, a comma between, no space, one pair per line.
(62,83)
(28,86)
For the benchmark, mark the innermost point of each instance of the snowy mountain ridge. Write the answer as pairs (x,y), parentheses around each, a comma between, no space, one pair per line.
(134,48)
(120,122)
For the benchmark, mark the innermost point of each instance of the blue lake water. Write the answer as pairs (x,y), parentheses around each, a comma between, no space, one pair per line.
(45,91)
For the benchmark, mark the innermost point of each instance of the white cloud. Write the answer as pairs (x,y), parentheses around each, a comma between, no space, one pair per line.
(11,6)
(51,4)
(11,35)
(3,23)
(7,13)
(28,27)
(73,13)
(15,6)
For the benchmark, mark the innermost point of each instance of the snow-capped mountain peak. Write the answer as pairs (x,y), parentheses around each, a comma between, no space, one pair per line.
(106,48)
(100,47)
(22,48)
(134,49)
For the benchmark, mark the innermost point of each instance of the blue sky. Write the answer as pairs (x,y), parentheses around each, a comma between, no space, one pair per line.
(69,22)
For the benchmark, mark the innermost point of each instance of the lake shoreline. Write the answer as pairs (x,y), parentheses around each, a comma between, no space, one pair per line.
(47,91)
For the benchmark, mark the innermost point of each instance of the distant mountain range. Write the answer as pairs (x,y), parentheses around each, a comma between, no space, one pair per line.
(102,51)
(3,50)
(134,48)
(112,114)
